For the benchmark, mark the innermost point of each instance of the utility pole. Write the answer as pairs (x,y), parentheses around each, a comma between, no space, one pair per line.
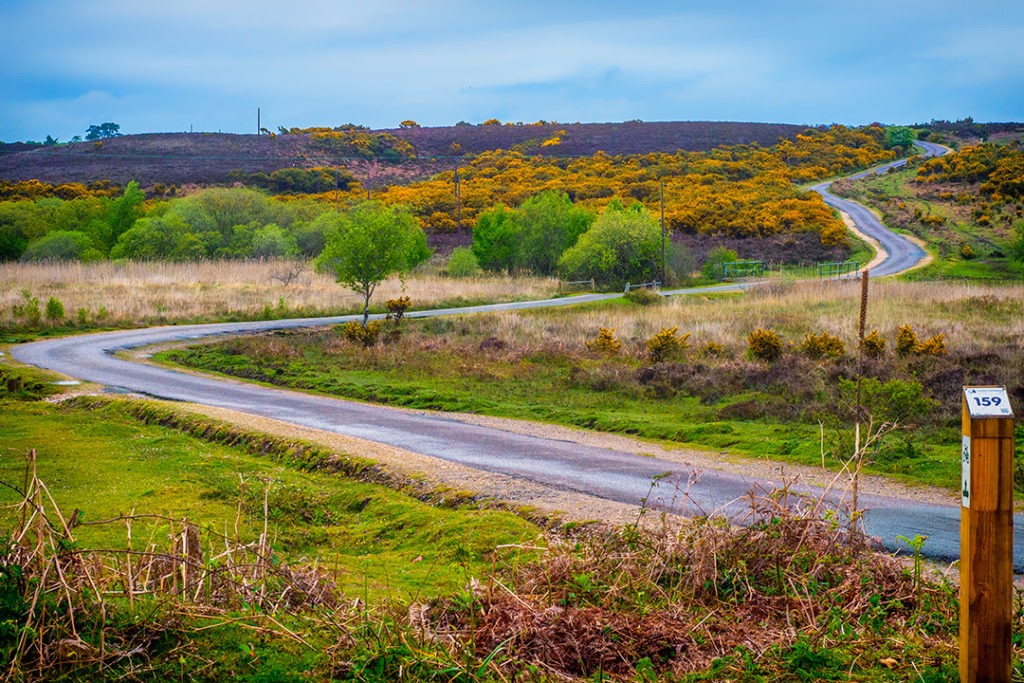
(664,268)
(458,203)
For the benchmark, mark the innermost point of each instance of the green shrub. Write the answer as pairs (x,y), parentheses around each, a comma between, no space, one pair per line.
(644,297)
(899,401)
(462,263)
(28,310)
(822,346)
(713,267)
(873,345)
(605,342)
(666,344)
(966,253)
(764,345)
(54,309)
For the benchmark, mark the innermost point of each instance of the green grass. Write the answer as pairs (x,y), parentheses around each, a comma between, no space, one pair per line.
(778,420)
(378,541)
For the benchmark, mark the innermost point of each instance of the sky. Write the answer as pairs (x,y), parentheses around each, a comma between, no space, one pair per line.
(209,65)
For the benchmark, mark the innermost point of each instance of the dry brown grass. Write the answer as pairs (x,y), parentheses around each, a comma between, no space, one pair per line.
(971,316)
(152,292)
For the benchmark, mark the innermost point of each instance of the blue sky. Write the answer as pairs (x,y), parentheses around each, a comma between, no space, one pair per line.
(207,65)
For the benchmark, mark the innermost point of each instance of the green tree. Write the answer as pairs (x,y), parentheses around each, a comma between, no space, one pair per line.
(623,245)
(103,130)
(124,211)
(62,245)
(462,263)
(165,237)
(899,136)
(371,242)
(551,223)
(497,239)
(271,241)
(713,267)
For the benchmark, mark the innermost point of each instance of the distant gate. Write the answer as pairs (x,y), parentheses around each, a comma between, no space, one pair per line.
(835,270)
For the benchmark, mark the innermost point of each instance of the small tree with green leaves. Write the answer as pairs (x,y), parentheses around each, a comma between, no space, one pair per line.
(369,243)
(54,309)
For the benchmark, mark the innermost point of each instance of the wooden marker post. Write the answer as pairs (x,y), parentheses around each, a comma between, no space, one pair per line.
(986,535)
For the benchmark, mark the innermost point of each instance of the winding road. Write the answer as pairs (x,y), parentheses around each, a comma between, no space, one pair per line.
(560,465)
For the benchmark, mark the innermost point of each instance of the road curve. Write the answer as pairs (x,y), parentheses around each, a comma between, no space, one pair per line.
(607,473)
(901,253)
(602,472)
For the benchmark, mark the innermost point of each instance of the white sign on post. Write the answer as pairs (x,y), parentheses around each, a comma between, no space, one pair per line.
(987,402)
(965,472)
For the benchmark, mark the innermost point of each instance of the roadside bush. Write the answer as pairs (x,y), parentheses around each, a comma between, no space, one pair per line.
(764,345)
(397,307)
(623,245)
(605,342)
(462,263)
(822,346)
(644,297)
(353,331)
(28,310)
(713,267)
(666,345)
(873,345)
(54,309)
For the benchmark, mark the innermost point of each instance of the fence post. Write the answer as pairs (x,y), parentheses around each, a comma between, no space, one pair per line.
(986,535)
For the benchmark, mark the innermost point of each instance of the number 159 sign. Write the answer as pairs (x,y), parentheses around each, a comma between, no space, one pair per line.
(987,402)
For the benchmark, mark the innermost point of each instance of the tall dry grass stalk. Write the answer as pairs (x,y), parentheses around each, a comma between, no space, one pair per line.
(119,293)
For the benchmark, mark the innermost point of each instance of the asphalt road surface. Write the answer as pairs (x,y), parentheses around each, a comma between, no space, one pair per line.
(614,475)
(901,253)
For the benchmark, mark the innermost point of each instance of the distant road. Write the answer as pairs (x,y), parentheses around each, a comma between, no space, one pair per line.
(561,465)
(901,253)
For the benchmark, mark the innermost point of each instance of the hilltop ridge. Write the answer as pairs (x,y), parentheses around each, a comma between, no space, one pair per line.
(212,158)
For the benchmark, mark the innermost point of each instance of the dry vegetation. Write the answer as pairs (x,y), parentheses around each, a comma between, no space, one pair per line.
(116,293)
(972,317)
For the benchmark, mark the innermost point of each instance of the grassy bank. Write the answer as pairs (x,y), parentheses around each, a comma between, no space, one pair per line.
(271,580)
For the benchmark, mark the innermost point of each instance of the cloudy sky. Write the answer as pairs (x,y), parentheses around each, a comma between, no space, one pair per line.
(207,65)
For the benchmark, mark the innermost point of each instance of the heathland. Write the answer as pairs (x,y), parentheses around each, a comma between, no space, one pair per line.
(148,540)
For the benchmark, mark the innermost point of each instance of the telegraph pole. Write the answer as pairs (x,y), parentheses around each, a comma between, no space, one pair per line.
(458,203)
(664,269)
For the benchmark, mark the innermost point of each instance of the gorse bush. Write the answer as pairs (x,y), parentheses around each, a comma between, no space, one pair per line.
(605,342)
(666,345)
(907,344)
(397,307)
(906,341)
(357,333)
(822,346)
(933,346)
(873,345)
(764,345)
